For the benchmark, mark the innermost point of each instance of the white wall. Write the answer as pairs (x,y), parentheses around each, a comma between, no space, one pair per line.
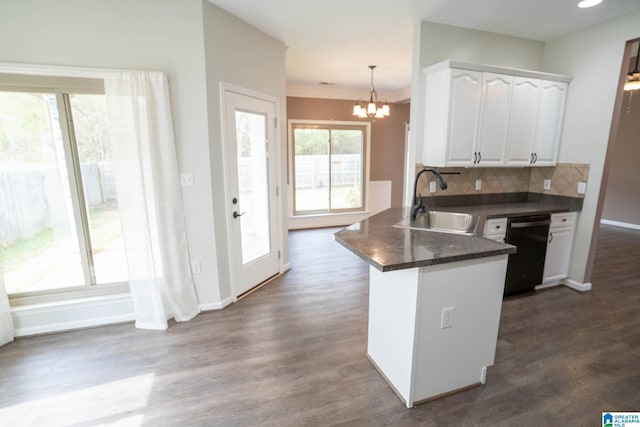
(197,45)
(437,42)
(165,35)
(594,58)
(238,54)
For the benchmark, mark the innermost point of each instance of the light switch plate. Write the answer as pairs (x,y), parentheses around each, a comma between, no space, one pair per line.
(447,317)
(478,184)
(432,186)
(547,184)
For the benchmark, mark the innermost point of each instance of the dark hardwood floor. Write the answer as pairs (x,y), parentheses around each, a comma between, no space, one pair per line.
(293,354)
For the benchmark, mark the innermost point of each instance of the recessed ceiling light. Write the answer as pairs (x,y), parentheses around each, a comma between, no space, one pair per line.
(589,3)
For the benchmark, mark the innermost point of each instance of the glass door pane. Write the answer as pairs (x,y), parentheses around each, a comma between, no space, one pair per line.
(347,147)
(39,247)
(253,185)
(311,170)
(94,153)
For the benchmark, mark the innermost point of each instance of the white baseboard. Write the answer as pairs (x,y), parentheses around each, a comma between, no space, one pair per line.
(285,267)
(551,284)
(217,305)
(73,314)
(620,224)
(581,287)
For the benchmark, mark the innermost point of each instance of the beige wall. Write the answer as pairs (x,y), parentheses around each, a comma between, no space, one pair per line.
(622,201)
(387,136)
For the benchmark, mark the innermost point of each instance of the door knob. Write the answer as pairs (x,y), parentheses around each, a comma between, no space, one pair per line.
(237,215)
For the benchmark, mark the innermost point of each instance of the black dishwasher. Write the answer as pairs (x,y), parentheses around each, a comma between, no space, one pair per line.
(525,267)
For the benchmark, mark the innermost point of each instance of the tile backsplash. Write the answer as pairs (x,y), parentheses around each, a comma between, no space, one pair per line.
(564,180)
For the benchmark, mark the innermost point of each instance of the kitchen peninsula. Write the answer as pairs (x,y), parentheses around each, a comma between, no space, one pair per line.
(434,304)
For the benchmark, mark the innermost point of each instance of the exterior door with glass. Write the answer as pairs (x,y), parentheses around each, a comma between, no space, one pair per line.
(251,155)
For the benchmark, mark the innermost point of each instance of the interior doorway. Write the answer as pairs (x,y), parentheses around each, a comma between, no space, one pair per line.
(616,168)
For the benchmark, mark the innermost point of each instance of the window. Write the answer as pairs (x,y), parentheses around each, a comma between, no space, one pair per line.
(60,224)
(328,167)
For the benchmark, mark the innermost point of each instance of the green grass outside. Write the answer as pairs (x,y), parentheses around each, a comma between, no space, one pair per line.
(105,228)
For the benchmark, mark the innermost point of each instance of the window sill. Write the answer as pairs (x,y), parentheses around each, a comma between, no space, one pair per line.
(332,214)
(326,220)
(70,314)
(63,296)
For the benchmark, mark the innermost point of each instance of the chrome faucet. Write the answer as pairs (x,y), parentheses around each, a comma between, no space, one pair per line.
(417,203)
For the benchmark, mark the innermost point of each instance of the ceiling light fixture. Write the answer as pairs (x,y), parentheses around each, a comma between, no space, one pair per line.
(373,109)
(588,3)
(633,77)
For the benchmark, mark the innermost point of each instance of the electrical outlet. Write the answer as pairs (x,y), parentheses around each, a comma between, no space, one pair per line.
(432,186)
(447,317)
(195,267)
(582,187)
(547,184)
(478,184)
(186,179)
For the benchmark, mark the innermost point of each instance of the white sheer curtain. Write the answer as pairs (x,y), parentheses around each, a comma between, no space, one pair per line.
(150,198)
(6,322)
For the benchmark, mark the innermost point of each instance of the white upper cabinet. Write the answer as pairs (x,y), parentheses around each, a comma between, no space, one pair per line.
(451,122)
(524,115)
(464,105)
(477,115)
(494,119)
(550,117)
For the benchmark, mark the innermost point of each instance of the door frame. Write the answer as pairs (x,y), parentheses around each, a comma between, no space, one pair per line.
(228,210)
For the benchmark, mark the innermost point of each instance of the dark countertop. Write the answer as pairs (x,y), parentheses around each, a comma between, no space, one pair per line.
(389,248)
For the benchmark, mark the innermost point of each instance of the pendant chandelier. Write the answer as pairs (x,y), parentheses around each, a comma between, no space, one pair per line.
(373,108)
(633,78)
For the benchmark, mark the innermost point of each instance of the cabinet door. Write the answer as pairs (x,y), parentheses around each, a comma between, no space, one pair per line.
(464,104)
(494,118)
(556,264)
(522,128)
(550,118)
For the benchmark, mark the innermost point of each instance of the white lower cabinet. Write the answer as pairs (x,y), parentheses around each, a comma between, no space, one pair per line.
(559,246)
(495,229)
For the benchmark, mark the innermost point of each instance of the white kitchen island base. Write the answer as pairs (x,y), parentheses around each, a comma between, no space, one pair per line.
(407,343)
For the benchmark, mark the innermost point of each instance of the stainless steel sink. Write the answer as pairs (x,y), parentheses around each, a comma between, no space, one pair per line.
(444,222)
